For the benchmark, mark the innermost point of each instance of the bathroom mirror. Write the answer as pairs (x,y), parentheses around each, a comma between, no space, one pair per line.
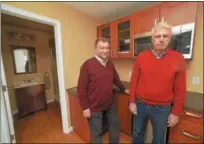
(24,59)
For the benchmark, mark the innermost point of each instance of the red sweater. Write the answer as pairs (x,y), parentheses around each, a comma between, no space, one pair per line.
(95,85)
(159,81)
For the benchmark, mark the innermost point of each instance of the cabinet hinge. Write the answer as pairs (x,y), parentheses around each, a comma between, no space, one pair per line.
(12,137)
(4,88)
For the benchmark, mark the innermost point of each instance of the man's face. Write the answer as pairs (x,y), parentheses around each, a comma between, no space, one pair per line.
(103,50)
(161,38)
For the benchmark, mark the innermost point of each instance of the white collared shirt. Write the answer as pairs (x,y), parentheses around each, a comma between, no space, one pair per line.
(101,60)
(158,56)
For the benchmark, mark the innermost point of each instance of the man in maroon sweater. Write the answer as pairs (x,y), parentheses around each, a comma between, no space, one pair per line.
(158,79)
(95,91)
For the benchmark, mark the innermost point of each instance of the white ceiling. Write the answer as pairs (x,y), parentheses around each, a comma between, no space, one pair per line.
(104,11)
(107,11)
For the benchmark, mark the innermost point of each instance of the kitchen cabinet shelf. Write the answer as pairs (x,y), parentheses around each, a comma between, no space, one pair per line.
(124,30)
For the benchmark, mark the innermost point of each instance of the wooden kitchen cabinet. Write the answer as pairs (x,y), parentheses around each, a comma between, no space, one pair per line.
(108,30)
(125,116)
(188,130)
(178,13)
(144,20)
(124,41)
(113,40)
(30,99)
(175,13)
(78,122)
(103,30)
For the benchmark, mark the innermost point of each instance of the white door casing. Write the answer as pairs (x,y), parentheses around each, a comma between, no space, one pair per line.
(7,9)
(6,115)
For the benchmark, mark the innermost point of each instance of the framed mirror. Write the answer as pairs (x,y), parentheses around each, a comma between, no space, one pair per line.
(24,59)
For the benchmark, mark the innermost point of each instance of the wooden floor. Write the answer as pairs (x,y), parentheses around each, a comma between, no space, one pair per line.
(45,127)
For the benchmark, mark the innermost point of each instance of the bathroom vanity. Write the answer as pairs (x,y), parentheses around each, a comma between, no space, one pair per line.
(30,98)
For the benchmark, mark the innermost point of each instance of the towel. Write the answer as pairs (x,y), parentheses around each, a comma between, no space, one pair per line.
(46,80)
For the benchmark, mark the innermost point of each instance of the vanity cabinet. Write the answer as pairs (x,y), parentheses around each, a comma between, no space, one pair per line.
(30,99)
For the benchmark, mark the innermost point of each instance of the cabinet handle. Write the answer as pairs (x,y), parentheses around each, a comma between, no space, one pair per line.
(162,19)
(155,21)
(112,52)
(192,114)
(196,137)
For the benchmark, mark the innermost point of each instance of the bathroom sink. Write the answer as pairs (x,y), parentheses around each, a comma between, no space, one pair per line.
(26,85)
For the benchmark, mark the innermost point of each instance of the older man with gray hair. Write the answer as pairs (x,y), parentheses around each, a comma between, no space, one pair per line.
(158,80)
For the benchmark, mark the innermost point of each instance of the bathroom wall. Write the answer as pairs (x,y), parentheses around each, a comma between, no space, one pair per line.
(43,60)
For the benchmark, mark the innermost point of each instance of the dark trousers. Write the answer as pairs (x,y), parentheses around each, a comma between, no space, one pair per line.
(158,116)
(96,125)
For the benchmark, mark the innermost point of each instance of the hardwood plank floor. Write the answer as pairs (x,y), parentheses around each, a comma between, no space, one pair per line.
(45,127)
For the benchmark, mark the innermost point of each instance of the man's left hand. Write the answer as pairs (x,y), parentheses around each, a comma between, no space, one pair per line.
(172,120)
(127,91)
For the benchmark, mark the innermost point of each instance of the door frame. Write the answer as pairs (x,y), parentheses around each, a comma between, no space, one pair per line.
(6,110)
(7,9)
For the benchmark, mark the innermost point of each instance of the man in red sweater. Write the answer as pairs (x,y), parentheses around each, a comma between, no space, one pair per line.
(95,92)
(158,79)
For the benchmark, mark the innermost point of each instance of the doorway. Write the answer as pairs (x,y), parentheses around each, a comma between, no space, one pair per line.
(57,35)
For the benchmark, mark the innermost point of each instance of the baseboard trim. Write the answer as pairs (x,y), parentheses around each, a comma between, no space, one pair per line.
(16,110)
(70,129)
(50,101)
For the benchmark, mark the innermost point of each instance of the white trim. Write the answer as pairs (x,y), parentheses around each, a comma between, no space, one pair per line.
(7,104)
(14,111)
(59,57)
(50,101)
(70,129)
(5,126)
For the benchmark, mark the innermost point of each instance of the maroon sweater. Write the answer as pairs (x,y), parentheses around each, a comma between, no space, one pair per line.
(95,85)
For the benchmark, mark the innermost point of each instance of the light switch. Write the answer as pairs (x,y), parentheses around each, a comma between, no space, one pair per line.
(194,80)
(198,80)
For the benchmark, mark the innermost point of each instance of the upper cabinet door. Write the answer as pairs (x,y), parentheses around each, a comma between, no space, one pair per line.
(103,31)
(178,13)
(108,30)
(144,20)
(124,38)
(113,39)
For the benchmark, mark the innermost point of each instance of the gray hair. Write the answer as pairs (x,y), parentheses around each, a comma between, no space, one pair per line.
(162,24)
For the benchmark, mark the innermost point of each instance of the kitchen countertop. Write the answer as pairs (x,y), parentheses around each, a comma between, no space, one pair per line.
(193,100)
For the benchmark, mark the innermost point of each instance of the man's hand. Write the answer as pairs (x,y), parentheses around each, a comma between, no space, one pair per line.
(133,108)
(127,91)
(87,113)
(173,120)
